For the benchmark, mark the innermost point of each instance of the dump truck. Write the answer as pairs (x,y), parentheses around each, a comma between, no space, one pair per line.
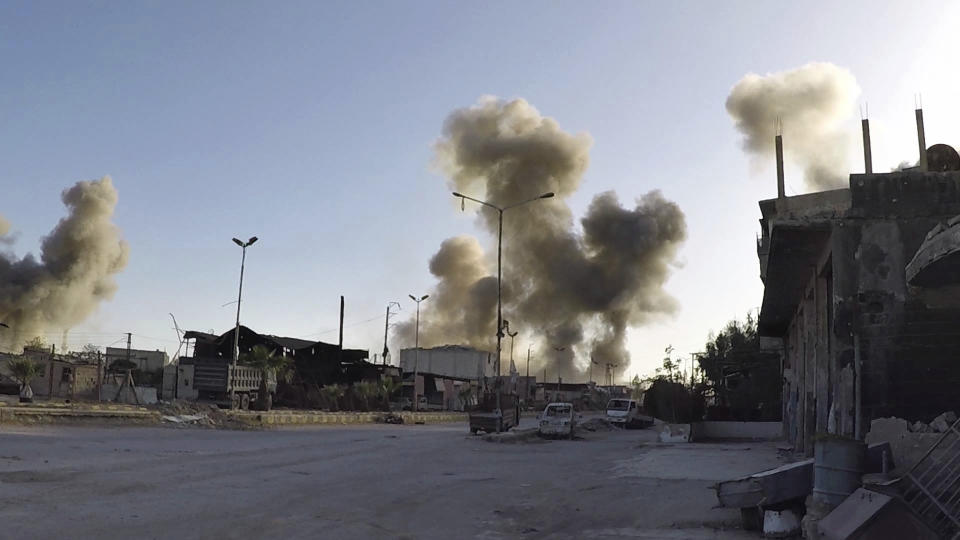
(218,381)
(488,418)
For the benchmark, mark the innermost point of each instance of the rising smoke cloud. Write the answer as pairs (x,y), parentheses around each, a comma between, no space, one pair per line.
(562,287)
(814,102)
(75,272)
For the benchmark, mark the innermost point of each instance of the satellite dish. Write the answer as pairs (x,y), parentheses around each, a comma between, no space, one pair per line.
(942,157)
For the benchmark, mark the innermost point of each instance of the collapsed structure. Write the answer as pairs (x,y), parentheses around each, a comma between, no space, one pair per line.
(861,295)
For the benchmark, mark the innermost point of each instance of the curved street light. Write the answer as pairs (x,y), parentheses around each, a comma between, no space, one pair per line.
(500,211)
(236,329)
(416,361)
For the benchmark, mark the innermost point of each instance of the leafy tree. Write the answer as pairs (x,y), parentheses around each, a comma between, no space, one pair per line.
(270,364)
(636,387)
(742,380)
(466,395)
(121,365)
(37,344)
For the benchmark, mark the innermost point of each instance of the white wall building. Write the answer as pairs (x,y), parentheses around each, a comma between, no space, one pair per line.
(453,361)
(144,360)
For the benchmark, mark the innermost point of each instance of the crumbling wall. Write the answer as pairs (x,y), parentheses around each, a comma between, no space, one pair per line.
(908,337)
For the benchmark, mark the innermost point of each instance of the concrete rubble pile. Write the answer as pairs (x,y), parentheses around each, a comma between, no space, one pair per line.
(854,489)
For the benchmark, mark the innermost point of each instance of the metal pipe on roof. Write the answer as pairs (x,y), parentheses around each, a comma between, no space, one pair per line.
(921,140)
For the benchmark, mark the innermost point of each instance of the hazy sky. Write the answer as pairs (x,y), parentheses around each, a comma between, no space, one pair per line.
(310,125)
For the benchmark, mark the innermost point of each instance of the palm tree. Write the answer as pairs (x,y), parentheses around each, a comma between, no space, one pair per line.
(269,363)
(365,390)
(332,393)
(388,387)
(24,370)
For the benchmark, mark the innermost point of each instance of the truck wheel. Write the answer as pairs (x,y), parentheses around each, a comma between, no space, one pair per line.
(245,402)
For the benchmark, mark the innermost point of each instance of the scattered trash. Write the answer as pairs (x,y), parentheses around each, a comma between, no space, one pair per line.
(389,418)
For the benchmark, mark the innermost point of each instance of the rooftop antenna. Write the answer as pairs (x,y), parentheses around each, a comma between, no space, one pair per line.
(778,141)
(921,137)
(865,125)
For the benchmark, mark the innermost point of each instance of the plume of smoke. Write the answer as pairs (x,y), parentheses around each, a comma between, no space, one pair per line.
(75,272)
(814,102)
(562,288)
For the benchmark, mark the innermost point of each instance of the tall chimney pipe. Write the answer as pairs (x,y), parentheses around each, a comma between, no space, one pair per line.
(781,192)
(867,155)
(921,140)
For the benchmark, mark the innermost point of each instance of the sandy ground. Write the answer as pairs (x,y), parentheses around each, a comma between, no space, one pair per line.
(378,481)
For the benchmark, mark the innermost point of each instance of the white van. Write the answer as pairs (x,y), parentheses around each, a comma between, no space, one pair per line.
(626,413)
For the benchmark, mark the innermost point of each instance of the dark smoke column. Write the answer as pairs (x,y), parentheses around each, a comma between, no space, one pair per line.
(580,291)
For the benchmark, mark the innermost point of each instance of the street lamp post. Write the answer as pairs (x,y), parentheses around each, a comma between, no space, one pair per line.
(416,361)
(500,211)
(236,329)
(526,384)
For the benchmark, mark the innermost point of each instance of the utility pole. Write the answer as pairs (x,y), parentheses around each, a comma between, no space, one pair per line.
(386,328)
(129,335)
(99,376)
(340,347)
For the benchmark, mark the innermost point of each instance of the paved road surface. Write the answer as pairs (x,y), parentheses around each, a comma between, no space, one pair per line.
(360,482)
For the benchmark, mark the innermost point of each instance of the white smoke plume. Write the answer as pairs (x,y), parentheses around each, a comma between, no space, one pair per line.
(74,274)
(814,103)
(562,288)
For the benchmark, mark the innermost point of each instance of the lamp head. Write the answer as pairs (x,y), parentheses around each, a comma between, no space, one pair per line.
(252,240)
(238,242)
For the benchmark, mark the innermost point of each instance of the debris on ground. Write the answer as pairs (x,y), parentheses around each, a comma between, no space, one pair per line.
(597,424)
(530,435)
(189,413)
(389,418)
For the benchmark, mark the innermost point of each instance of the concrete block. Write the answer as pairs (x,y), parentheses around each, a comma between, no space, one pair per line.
(907,447)
(875,516)
(774,486)
(943,422)
(675,433)
(780,524)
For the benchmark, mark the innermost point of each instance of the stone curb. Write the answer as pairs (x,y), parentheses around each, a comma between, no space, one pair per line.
(342,418)
(12,414)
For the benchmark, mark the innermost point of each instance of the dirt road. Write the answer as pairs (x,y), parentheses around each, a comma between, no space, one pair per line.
(360,482)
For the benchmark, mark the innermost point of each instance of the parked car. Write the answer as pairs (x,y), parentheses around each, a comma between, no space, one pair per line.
(406,404)
(626,413)
(558,420)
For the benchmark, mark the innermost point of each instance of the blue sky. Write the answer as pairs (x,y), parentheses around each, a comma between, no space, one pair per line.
(310,124)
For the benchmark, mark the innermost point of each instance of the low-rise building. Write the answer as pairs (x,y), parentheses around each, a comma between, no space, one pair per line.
(144,360)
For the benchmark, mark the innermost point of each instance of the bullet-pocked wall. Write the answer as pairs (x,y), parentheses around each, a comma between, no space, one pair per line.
(859,342)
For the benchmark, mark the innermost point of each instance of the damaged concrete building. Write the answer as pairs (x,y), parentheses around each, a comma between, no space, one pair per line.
(860,297)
